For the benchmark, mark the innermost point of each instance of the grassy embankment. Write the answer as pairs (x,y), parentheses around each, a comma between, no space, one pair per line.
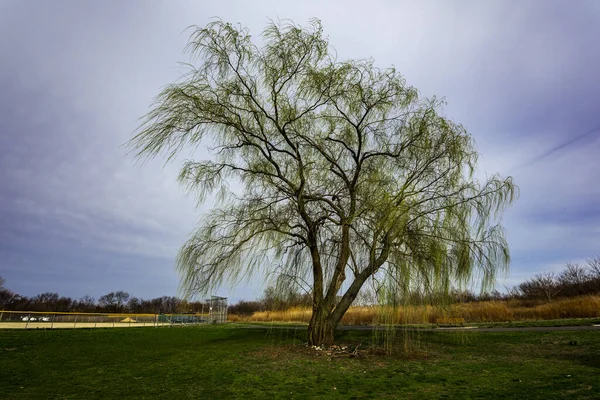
(233,362)
(474,312)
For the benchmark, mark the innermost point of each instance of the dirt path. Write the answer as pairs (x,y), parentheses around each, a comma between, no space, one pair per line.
(449,329)
(476,329)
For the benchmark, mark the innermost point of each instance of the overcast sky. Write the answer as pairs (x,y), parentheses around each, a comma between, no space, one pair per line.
(78,216)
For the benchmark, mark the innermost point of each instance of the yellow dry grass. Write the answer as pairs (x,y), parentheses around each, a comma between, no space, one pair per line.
(484,311)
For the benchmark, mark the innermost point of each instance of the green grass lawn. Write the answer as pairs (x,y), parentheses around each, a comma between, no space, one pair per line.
(237,362)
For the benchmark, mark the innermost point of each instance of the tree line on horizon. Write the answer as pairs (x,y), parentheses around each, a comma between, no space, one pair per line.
(113,302)
(574,280)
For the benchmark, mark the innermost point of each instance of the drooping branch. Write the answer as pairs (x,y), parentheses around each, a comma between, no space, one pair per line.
(342,168)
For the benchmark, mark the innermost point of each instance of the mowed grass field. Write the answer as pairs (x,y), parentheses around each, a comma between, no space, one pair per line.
(233,361)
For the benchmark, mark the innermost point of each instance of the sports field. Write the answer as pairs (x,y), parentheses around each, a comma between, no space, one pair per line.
(74,320)
(233,361)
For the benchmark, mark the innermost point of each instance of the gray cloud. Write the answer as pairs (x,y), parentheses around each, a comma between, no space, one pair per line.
(75,78)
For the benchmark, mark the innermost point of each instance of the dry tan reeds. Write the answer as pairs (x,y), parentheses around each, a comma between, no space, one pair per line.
(483,311)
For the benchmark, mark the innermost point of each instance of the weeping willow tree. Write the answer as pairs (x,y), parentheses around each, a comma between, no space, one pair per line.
(330,171)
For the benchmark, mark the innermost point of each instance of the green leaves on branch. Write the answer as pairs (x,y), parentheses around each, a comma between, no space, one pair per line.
(344,168)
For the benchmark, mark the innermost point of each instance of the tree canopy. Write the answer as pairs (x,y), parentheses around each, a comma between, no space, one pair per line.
(345,171)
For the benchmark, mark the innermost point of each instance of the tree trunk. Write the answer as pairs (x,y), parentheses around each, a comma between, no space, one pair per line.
(324,320)
(321,328)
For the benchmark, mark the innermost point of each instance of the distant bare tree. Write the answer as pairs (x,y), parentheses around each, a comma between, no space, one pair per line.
(573,274)
(107,301)
(134,305)
(245,307)
(542,285)
(64,304)
(593,265)
(512,292)
(121,298)
(45,301)
(6,299)
(171,304)
(114,301)
(494,295)
(85,304)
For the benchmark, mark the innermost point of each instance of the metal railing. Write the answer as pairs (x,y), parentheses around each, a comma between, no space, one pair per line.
(57,320)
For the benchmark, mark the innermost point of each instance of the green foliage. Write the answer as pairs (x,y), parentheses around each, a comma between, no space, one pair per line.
(344,168)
